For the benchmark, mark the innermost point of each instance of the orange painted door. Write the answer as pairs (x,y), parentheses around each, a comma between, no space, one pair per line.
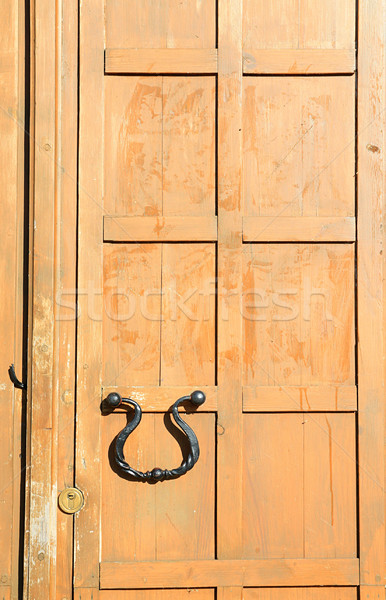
(228,242)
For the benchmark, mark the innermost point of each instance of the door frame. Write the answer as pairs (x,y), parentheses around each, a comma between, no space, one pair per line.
(53,275)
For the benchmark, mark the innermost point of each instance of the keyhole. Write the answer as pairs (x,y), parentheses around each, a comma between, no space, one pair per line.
(71,498)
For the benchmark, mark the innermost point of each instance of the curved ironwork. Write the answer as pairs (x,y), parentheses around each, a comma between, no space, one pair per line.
(114,400)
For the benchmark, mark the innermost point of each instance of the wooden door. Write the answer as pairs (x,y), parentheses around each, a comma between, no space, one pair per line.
(228,240)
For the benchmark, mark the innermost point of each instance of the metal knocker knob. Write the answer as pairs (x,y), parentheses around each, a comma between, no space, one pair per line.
(114,400)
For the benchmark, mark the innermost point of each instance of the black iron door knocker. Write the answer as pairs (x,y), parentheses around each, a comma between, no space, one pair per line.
(114,400)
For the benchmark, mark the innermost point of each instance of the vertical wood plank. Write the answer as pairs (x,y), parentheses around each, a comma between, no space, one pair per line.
(273,486)
(42,511)
(230,593)
(11,273)
(133,146)
(371,400)
(188,148)
(188,314)
(65,274)
(329,486)
(229,448)
(131,314)
(89,339)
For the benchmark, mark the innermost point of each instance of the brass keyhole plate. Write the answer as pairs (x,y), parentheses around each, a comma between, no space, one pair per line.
(70,500)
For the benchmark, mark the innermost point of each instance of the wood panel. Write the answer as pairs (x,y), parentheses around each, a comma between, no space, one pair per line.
(298,314)
(297,61)
(159,146)
(229,273)
(329,486)
(299,486)
(41,509)
(132,313)
(90,274)
(274,398)
(299,141)
(300,594)
(161,24)
(161,60)
(11,305)
(228,573)
(371,311)
(159,322)
(159,229)
(170,521)
(299,229)
(188,314)
(299,24)
(273,503)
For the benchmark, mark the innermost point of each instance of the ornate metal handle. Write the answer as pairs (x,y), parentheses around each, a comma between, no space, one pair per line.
(114,400)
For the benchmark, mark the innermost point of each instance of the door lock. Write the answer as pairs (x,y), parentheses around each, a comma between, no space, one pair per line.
(71,500)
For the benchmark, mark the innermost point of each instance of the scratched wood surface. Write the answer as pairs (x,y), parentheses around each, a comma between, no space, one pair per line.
(160,146)
(313,463)
(11,273)
(299,24)
(161,24)
(153,294)
(299,146)
(299,314)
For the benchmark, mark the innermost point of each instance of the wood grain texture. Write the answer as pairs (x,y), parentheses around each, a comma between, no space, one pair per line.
(371,198)
(161,24)
(298,148)
(159,229)
(294,398)
(273,503)
(41,509)
(299,229)
(329,486)
(171,521)
(90,275)
(301,594)
(160,146)
(131,314)
(299,24)
(188,314)
(11,273)
(228,573)
(298,61)
(66,259)
(299,486)
(298,314)
(159,399)
(161,60)
(229,272)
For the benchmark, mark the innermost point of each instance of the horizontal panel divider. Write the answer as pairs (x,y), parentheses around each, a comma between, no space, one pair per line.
(214,573)
(161,60)
(295,398)
(160,399)
(159,229)
(310,61)
(299,229)
(292,398)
